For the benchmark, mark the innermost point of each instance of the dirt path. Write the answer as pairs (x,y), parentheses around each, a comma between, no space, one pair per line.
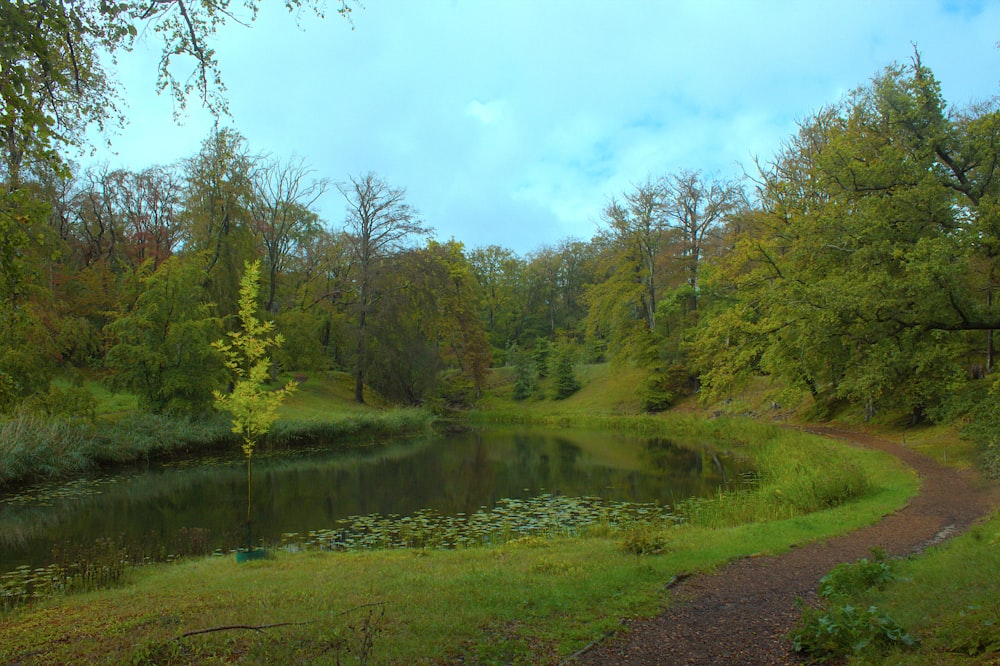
(742,613)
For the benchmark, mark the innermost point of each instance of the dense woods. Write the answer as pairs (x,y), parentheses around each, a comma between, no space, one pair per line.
(857,265)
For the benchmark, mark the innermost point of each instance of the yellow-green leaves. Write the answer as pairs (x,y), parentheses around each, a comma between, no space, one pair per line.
(251,405)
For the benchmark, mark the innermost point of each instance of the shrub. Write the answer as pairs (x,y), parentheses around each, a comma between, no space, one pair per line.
(664,386)
(852,579)
(564,381)
(838,628)
(837,631)
(643,539)
(70,401)
(525,374)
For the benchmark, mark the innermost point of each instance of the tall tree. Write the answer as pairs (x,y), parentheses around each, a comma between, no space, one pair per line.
(696,209)
(623,304)
(861,275)
(455,325)
(379,223)
(160,345)
(499,277)
(217,215)
(281,200)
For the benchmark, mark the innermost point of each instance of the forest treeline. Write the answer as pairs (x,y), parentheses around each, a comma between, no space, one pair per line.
(857,266)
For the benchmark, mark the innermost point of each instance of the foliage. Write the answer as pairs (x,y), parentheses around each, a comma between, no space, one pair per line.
(564,380)
(644,539)
(55,84)
(67,402)
(541,356)
(983,428)
(251,406)
(662,387)
(452,323)
(839,628)
(303,333)
(216,214)
(379,224)
(525,373)
(864,274)
(160,345)
(857,577)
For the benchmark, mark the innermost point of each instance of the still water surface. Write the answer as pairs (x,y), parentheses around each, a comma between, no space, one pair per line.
(303,490)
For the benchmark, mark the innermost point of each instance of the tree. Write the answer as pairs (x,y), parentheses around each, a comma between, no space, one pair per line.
(251,406)
(861,275)
(696,209)
(121,218)
(217,217)
(53,81)
(564,381)
(379,223)
(525,374)
(282,197)
(623,304)
(637,229)
(454,324)
(499,277)
(159,343)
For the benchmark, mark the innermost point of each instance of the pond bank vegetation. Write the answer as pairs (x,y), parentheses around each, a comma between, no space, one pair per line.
(527,598)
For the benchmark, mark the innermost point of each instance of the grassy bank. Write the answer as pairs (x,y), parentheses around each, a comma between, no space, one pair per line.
(36,446)
(536,599)
(533,600)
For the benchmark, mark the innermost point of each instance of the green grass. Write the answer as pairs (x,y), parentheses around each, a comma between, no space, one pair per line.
(534,600)
(948,598)
(318,395)
(607,390)
(34,446)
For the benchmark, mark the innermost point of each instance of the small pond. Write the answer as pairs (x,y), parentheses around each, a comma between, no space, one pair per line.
(159,505)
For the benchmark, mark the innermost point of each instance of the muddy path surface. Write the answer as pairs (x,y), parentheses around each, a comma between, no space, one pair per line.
(742,613)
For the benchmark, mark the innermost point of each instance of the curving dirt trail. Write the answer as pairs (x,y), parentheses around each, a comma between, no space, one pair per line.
(742,613)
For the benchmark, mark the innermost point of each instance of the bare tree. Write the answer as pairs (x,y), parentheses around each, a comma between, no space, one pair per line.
(696,209)
(280,206)
(379,223)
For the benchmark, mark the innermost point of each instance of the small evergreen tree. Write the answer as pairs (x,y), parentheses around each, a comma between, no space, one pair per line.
(564,381)
(525,375)
(543,350)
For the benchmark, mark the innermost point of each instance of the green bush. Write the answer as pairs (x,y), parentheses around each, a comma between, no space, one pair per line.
(643,539)
(852,579)
(664,386)
(839,628)
(454,390)
(69,401)
(525,373)
(564,381)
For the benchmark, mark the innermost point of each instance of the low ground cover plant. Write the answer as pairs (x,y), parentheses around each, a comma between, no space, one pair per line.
(840,627)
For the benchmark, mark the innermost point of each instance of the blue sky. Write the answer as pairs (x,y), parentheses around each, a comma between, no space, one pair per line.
(512,122)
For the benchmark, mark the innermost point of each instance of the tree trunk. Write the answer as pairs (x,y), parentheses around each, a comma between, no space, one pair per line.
(359,368)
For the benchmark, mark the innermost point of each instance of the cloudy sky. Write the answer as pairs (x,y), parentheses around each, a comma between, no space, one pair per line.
(512,122)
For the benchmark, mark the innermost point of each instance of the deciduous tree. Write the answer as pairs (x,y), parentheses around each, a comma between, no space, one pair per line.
(379,224)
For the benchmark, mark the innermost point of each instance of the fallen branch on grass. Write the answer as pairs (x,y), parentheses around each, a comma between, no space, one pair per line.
(261,627)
